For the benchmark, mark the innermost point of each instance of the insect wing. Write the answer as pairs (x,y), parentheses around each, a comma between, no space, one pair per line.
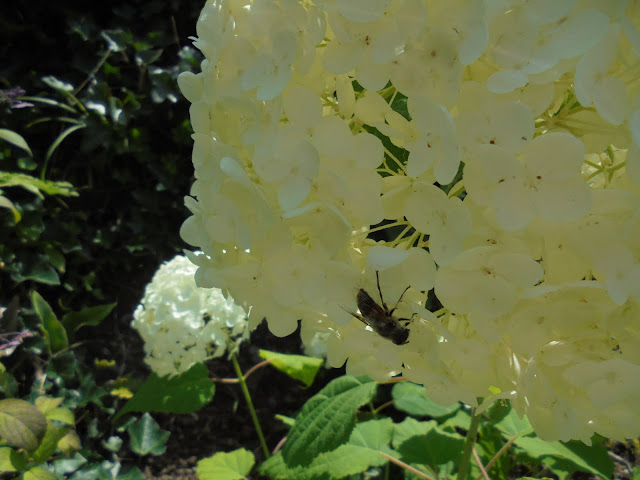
(370,309)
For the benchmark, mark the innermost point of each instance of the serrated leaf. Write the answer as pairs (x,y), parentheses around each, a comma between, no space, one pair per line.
(146,436)
(15,139)
(11,460)
(343,461)
(234,465)
(90,316)
(593,459)
(38,473)
(22,425)
(412,398)
(374,434)
(298,367)
(54,332)
(180,394)
(326,420)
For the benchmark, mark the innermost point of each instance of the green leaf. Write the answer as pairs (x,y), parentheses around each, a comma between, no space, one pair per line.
(38,473)
(22,425)
(512,425)
(40,272)
(343,461)
(326,420)
(6,203)
(234,465)
(11,460)
(15,139)
(593,459)
(409,428)
(35,185)
(91,316)
(180,394)
(49,443)
(412,398)
(60,138)
(146,436)
(54,332)
(131,474)
(298,367)
(435,447)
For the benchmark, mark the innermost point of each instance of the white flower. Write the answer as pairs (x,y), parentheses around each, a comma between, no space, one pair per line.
(183,324)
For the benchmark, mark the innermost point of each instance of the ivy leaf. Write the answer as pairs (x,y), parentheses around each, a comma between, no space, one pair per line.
(146,436)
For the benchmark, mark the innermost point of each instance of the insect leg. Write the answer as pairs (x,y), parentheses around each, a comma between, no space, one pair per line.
(407,320)
(380,292)
(398,302)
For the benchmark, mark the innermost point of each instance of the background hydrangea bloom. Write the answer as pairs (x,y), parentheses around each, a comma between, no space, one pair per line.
(182,324)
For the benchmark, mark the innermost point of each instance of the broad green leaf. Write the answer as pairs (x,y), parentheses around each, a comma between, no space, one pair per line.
(326,420)
(49,443)
(412,398)
(410,427)
(36,185)
(22,425)
(373,434)
(512,425)
(90,316)
(146,436)
(15,139)
(38,473)
(234,465)
(6,203)
(593,459)
(434,448)
(11,460)
(180,394)
(343,461)
(54,332)
(298,367)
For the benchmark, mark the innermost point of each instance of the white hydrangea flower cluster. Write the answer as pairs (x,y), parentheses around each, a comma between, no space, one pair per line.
(485,154)
(182,324)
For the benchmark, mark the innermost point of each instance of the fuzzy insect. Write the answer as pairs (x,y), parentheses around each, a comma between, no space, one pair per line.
(380,318)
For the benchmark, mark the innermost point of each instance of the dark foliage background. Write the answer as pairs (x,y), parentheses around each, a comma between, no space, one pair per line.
(130,164)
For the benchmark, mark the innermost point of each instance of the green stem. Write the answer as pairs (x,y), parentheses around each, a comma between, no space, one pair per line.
(465,459)
(252,410)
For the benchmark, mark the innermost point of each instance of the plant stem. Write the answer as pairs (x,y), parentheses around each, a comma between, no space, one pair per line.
(252,410)
(465,459)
